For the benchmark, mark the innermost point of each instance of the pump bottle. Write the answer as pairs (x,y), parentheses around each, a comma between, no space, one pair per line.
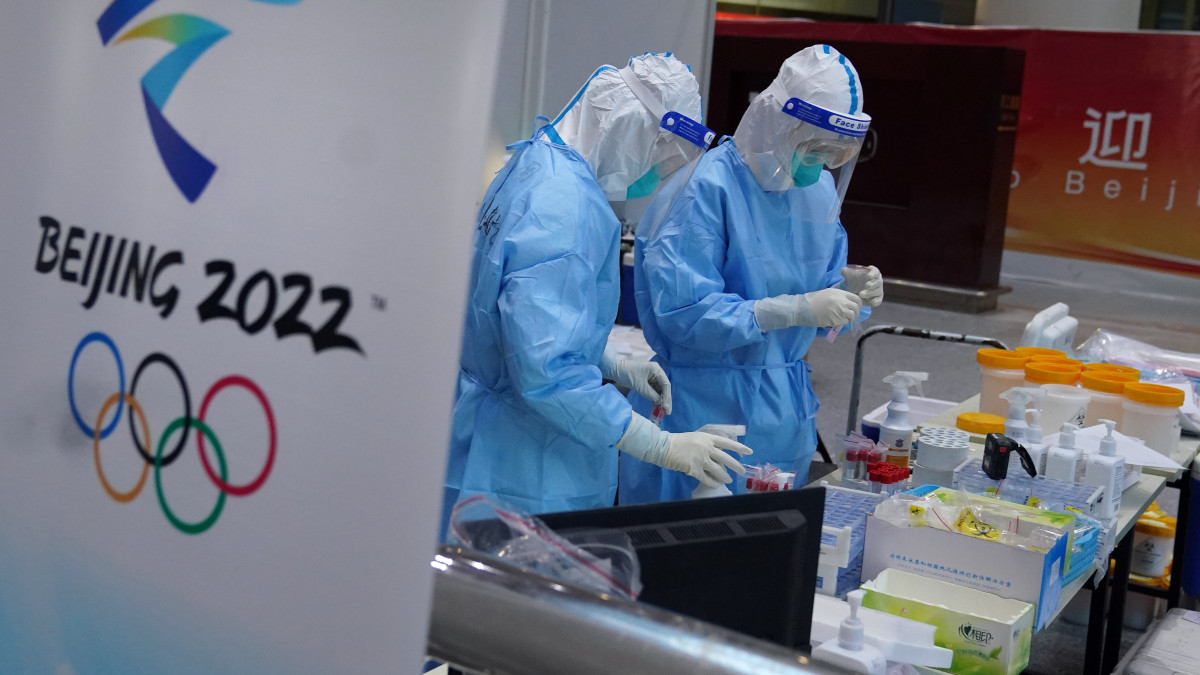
(1019,399)
(896,432)
(1063,461)
(848,651)
(1033,441)
(1106,469)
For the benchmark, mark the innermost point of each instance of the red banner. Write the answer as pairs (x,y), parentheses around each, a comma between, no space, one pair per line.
(1107,162)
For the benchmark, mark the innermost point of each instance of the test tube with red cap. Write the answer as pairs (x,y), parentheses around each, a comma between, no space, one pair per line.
(657,414)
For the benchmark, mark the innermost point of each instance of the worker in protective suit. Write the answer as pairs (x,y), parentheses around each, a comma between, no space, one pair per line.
(533,423)
(747,264)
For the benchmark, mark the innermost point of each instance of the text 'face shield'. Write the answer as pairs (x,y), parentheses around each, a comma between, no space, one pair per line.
(828,140)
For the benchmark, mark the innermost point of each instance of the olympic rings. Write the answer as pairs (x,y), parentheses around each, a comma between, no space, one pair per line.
(112,346)
(184,424)
(188,528)
(123,497)
(238,490)
(187,407)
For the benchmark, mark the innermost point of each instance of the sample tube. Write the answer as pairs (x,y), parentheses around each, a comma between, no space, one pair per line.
(657,414)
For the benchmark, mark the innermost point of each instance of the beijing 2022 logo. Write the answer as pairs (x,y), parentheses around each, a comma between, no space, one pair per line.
(161,458)
(192,36)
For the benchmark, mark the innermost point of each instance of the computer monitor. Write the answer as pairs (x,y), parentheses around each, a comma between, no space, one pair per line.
(746,562)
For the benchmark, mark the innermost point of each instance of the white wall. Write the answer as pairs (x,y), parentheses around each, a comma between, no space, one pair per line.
(1098,14)
(550,47)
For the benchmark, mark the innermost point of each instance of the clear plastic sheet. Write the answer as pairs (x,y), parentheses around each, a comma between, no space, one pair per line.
(1155,363)
(1159,366)
(603,561)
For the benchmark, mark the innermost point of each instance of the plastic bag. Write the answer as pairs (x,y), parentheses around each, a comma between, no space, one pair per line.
(601,560)
(1155,363)
(1159,366)
(966,514)
(767,478)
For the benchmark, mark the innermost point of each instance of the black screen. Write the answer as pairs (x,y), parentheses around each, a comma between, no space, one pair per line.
(747,562)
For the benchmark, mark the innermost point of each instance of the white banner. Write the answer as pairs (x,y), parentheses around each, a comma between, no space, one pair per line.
(233,247)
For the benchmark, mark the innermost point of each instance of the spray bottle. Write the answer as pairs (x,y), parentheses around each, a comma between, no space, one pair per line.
(1063,461)
(1019,399)
(1033,441)
(1106,469)
(896,432)
(848,651)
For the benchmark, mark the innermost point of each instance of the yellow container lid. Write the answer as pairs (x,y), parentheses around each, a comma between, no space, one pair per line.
(1113,368)
(1112,383)
(1001,358)
(1051,373)
(980,423)
(1052,358)
(1154,394)
(1156,528)
(1045,351)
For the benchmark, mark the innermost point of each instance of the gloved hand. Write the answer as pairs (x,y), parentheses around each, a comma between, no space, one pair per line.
(645,377)
(830,307)
(698,454)
(865,282)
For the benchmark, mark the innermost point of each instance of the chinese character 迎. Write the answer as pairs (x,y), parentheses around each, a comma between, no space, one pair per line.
(1101,150)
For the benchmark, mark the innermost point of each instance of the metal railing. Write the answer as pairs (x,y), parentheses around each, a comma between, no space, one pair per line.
(492,617)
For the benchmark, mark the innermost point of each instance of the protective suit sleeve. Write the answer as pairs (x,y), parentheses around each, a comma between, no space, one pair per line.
(548,313)
(682,265)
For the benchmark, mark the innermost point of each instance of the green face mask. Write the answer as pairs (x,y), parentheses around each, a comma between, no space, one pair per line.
(643,186)
(802,175)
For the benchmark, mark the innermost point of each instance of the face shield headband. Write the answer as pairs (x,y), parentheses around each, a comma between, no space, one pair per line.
(669,153)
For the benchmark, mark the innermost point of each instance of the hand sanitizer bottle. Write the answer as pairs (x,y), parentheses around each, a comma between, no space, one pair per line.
(1063,461)
(1106,469)
(848,651)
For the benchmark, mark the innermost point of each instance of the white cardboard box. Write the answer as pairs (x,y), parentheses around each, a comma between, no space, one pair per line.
(1007,571)
(989,635)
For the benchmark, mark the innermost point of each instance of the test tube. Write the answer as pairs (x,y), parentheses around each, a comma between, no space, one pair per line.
(657,414)
(851,467)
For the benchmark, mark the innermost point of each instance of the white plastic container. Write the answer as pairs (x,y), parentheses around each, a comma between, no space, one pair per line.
(920,410)
(1001,370)
(941,449)
(922,475)
(1064,404)
(1106,391)
(1151,413)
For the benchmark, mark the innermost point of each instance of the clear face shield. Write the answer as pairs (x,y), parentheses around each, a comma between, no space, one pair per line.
(680,142)
(831,141)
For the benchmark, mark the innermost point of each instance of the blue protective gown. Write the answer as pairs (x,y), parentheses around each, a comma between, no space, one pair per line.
(533,423)
(723,244)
